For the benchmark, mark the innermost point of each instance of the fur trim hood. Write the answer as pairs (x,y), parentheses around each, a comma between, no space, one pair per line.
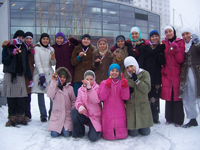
(69,79)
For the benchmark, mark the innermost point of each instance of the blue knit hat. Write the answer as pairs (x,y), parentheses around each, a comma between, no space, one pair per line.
(154,32)
(113,66)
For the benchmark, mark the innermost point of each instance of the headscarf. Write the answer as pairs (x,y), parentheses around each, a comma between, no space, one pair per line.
(187,44)
(136,29)
(112,66)
(91,73)
(104,51)
(173,30)
(42,36)
(60,34)
(130,60)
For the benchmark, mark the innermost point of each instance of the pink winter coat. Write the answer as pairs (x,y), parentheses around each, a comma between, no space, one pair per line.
(90,100)
(113,112)
(171,70)
(63,102)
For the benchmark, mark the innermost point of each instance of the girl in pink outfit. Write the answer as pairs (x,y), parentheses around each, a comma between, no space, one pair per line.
(113,92)
(87,109)
(62,94)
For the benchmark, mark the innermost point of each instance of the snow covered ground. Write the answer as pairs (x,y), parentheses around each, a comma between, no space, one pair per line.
(35,136)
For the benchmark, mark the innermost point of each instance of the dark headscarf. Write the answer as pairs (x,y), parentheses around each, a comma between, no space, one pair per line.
(42,36)
(18,33)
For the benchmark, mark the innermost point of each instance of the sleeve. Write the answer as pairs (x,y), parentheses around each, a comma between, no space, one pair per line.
(144,84)
(74,59)
(53,62)
(6,58)
(52,89)
(79,100)
(72,98)
(179,56)
(95,65)
(93,95)
(125,93)
(161,58)
(37,59)
(103,91)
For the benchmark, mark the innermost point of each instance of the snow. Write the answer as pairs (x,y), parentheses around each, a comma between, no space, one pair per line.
(35,135)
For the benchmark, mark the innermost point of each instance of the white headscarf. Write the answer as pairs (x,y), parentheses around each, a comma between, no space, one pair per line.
(168,27)
(132,61)
(187,44)
(134,29)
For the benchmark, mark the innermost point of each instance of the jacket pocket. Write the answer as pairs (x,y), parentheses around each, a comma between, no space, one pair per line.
(144,108)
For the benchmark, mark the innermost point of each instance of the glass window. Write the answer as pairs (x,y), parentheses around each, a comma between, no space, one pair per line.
(127,8)
(110,12)
(145,36)
(154,18)
(25,29)
(126,34)
(108,26)
(22,14)
(50,7)
(140,11)
(110,33)
(141,16)
(141,23)
(153,24)
(93,32)
(22,22)
(127,14)
(95,10)
(93,3)
(22,5)
(110,5)
(125,27)
(127,21)
(110,19)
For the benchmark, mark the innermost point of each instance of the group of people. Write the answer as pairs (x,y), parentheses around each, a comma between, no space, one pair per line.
(114,91)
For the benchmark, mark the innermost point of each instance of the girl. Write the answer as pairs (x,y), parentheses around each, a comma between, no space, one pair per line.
(190,84)
(87,109)
(153,59)
(139,118)
(44,60)
(14,87)
(174,57)
(82,60)
(113,92)
(63,52)
(120,52)
(62,95)
(101,60)
(28,40)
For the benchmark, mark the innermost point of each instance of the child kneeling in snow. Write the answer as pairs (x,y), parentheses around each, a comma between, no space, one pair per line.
(63,97)
(139,118)
(87,109)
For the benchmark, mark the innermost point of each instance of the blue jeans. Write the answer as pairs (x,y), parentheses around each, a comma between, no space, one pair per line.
(42,107)
(63,132)
(142,131)
(77,85)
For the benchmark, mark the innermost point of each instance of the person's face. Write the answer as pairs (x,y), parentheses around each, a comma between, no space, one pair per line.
(86,41)
(120,43)
(186,36)
(28,40)
(45,41)
(63,79)
(90,79)
(59,40)
(114,73)
(169,33)
(102,45)
(130,69)
(20,37)
(154,38)
(134,35)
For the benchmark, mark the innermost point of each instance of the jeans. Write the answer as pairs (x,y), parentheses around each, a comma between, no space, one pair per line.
(78,121)
(42,107)
(77,85)
(63,132)
(142,131)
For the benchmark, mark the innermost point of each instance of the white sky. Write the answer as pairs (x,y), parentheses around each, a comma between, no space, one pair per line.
(190,11)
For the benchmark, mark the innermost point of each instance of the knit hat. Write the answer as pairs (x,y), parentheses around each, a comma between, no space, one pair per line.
(112,66)
(187,29)
(42,36)
(89,72)
(136,29)
(18,33)
(154,32)
(86,35)
(60,34)
(120,37)
(130,60)
(63,72)
(28,34)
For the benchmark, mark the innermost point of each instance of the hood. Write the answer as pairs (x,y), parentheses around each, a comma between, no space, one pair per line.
(69,79)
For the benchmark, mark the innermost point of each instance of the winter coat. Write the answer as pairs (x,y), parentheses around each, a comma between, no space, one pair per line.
(152,61)
(138,110)
(43,65)
(63,55)
(90,100)
(192,60)
(63,102)
(113,112)
(171,70)
(124,53)
(84,64)
(101,69)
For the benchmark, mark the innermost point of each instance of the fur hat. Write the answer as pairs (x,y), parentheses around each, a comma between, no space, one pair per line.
(112,66)
(89,72)
(18,33)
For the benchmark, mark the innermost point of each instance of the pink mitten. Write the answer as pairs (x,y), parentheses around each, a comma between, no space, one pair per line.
(174,46)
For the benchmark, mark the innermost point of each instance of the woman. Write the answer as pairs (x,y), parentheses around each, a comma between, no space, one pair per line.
(190,84)
(44,60)
(174,56)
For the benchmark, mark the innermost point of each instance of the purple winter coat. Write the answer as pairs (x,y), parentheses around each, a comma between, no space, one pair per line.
(113,112)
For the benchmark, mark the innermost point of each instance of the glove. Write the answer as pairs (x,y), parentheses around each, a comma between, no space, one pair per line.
(131,90)
(124,82)
(81,109)
(31,83)
(134,77)
(108,82)
(15,42)
(42,79)
(195,38)
(147,42)
(31,48)
(72,40)
(162,48)
(15,51)
(175,47)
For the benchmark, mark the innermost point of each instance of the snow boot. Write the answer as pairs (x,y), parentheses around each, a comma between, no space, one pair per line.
(12,121)
(192,122)
(21,119)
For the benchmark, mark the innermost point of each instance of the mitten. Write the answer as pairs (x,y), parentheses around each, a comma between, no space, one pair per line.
(15,51)
(31,48)
(174,46)
(72,40)
(134,77)
(131,89)
(108,82)
(31,83)
(42,79)
(162,48)
(89,86)
(124,82)
(195,38)
(81,109)
(147,42)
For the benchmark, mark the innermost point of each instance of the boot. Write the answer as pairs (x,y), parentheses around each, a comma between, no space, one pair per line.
(192,122)
(21,119)
(12,121)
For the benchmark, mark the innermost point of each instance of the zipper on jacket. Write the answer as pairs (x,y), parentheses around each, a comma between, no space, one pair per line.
(170,67)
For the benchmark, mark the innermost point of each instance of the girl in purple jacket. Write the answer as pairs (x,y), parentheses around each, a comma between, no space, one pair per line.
(87,109)
(113,92)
